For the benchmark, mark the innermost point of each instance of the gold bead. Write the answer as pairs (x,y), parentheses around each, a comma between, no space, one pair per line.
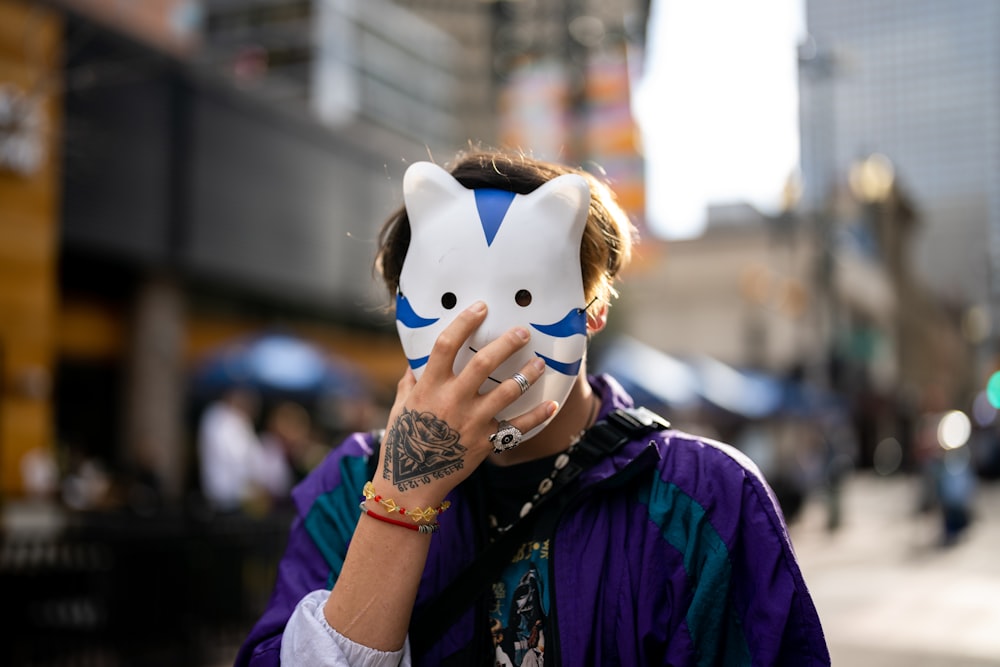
(423,515)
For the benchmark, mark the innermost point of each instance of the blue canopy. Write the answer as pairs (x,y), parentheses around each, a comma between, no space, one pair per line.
(277,363)
(653,376)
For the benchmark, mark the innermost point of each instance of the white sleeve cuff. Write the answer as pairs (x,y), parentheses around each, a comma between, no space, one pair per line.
(309,641)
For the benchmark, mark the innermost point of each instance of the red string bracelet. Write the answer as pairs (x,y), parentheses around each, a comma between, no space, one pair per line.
(424,528)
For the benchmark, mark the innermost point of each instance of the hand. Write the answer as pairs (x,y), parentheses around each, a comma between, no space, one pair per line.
(439,426)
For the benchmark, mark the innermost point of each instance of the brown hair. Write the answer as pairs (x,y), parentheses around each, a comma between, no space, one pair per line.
(606,246)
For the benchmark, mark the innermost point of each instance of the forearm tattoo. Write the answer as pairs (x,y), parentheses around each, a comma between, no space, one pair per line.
(418,447)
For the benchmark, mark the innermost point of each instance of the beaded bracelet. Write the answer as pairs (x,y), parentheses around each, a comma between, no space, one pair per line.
(424,528)
(417,515)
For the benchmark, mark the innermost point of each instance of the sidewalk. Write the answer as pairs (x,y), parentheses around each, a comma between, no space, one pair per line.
(887,594)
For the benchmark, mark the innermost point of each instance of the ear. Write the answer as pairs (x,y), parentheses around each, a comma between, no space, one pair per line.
(427,187)
(597,320)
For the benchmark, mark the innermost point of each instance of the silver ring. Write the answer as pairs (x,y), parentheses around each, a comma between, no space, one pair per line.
(507,437)
(521,381)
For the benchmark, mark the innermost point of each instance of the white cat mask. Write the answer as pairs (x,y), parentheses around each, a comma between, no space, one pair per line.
(520,254)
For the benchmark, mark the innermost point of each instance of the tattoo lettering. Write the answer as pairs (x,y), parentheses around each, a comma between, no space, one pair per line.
(420,446)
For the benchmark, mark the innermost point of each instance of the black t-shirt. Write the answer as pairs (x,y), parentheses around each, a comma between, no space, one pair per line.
(520,603)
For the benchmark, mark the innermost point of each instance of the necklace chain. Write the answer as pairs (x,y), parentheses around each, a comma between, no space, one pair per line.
(548,481)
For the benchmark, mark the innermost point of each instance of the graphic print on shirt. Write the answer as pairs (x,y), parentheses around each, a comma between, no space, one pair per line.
(520,254)
(520,609)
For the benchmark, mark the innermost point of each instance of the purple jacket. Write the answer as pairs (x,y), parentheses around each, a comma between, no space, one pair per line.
(678,555)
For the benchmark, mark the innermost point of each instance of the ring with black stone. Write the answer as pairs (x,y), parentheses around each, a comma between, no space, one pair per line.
(506,438)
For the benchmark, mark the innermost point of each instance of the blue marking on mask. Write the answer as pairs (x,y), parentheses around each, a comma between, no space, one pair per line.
(492,206)
(406,314)
(571,368)
(574,323)
(417,363)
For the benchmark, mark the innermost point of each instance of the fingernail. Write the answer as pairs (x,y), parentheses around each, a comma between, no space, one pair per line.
(522,333)
(551,408)
(538,364)
(477,307)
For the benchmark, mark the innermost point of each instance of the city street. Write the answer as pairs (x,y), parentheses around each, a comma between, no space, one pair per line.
(887,594)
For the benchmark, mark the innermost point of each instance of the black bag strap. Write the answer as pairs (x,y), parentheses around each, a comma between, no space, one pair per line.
(602,439)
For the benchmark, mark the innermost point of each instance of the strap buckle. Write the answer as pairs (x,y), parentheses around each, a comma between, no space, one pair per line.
(610,434)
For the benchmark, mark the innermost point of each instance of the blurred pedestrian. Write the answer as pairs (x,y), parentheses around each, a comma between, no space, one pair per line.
(947,479)
(956,489)
(230,456)
(519,509)
(839,453)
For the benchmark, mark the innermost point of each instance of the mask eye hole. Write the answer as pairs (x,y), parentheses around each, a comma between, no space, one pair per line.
(522,298)
(448,300)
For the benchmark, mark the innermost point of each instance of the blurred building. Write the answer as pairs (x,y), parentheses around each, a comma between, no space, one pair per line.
(740,293)
(350,62)
(564,70)
(920,83)
(551,77)
(777,295)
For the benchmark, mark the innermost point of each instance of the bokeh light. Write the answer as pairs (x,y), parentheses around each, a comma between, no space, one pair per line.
(954,429)
(984,412)
(888,456)
(976,324)
(872,179)
(993,390)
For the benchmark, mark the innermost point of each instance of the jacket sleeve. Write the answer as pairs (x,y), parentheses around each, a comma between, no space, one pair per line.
(779,621)
(309,641)
(747,602)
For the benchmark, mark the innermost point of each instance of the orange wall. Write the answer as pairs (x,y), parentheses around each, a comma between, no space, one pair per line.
(30,43)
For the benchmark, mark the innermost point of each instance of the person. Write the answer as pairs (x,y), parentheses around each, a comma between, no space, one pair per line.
(947,480)
(236,470)
(670,549)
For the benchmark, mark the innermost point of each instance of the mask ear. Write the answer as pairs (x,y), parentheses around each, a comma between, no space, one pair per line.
(426,188)
(565,202)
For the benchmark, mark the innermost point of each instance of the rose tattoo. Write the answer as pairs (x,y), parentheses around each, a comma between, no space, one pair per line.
(420,446)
